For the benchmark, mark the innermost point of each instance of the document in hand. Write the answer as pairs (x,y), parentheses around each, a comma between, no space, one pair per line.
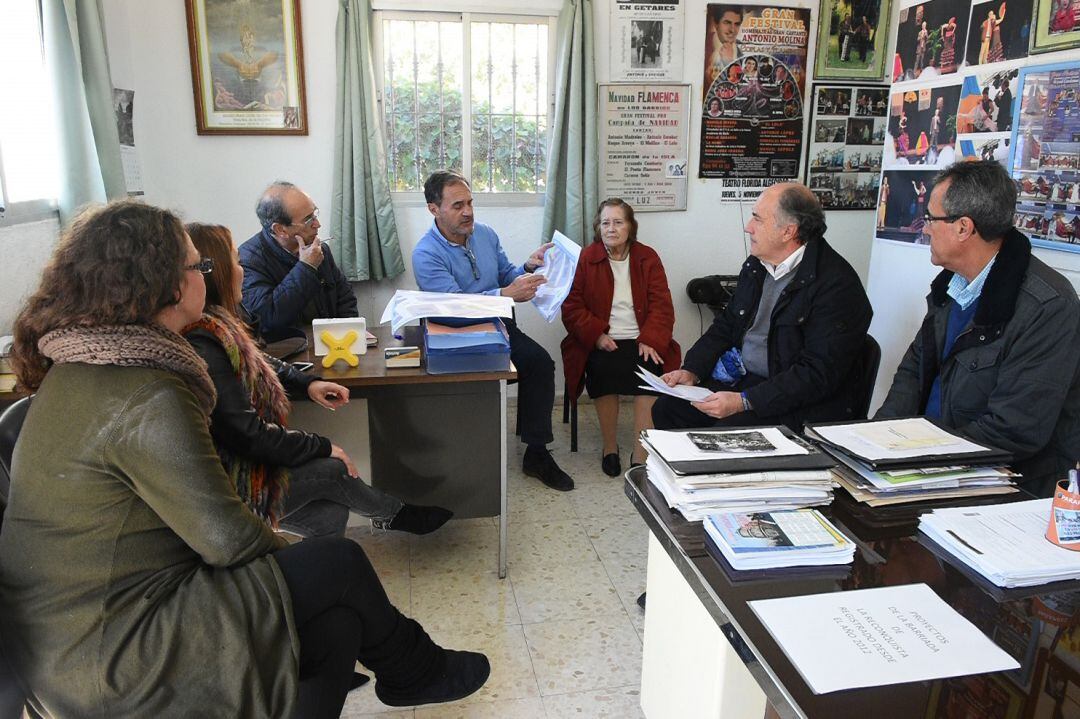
(689,392)
(877,637)
(560,264)
(907,442)
(765,540)
(1005,543)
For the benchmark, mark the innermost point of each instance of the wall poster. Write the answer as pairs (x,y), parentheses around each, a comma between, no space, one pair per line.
(1045,157)
(754,84)
(643,140)
(843,156)
(646,40)
(852,39)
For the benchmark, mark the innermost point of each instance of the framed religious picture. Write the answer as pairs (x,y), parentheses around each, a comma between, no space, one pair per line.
(247,67)
(852,40)
(1056,25)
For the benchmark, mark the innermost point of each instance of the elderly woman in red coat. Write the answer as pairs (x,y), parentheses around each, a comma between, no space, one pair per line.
(618,315)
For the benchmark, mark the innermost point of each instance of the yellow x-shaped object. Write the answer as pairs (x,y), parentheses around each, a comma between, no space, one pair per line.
(339,349)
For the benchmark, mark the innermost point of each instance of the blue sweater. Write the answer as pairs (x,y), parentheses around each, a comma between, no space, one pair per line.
(441,266)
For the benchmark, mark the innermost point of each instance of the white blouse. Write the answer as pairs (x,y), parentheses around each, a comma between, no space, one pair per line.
(623,323)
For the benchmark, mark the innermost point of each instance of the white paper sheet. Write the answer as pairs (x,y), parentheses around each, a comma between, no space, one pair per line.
(691,393)
(409,305)
(1006,543)
(896,439)
(560,264)
(877,637)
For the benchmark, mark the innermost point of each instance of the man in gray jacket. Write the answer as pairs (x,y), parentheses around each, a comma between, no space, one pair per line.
(998,355)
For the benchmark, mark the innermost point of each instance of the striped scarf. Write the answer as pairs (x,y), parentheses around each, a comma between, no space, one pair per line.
(261,487)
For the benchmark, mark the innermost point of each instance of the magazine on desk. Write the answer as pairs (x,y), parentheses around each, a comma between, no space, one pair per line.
(796,538)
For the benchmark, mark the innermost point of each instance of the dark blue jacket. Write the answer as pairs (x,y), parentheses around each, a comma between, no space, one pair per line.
(816,337)
(285,294)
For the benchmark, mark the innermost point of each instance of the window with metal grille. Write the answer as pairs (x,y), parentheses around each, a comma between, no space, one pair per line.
(28,174)
(467,93)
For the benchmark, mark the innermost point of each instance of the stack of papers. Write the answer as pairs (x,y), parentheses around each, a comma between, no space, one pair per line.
(767,540)
(1006,543)
(762,469)
(911,460)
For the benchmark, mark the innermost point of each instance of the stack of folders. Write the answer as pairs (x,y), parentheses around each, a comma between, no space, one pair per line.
(754,469)
(768,540)
(912,459)
(1005,543)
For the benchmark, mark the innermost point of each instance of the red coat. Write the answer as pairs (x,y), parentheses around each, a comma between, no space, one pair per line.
(587,308)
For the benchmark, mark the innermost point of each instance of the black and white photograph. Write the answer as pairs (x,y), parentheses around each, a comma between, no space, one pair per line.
(646,36)
(830,131)
(748,442)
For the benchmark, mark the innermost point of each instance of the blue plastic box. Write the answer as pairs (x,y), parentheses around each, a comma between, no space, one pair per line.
(483,347)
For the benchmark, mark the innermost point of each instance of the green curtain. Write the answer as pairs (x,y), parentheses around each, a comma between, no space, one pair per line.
(365,233)
(572,193)
(73,36)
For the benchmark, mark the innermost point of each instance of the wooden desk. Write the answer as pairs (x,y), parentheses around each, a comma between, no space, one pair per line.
(706,654)
(435,439)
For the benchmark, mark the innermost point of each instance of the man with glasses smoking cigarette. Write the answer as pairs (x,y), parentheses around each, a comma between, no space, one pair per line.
(458,254)
(998,355)
(290,277)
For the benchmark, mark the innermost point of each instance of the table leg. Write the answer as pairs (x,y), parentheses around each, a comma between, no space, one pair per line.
(502,480)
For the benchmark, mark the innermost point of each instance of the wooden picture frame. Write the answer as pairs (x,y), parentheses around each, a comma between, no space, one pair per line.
(1048,33)
(828,63)
(247,67)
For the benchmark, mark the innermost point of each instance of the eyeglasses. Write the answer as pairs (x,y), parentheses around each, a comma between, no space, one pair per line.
(928,218)
(310,220)
(472,261)
(204,266)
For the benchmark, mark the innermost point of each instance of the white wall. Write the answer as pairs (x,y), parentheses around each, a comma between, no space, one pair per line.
(24,250)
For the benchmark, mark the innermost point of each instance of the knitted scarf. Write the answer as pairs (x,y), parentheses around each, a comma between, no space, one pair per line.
(133,346)
(261,487)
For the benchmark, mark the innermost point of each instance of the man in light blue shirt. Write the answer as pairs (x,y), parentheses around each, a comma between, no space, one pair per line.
(457,254)
(997,357)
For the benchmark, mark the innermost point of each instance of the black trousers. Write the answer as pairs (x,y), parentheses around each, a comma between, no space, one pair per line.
(342,614)
(536,386)
(673,413)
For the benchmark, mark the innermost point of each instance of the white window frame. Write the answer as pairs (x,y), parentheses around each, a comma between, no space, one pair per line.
(414,198)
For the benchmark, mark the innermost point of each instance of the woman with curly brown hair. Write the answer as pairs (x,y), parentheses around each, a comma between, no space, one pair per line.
(297,479)
(133,580)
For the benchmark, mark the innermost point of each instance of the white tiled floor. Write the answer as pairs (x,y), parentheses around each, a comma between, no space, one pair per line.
(563,630)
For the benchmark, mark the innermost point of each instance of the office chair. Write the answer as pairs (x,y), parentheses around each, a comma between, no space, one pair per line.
(12,698)
(569,414)
(869,360)
(11,421)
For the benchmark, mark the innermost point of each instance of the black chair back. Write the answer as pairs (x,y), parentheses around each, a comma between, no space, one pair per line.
(868,369)
(11,422)
(12,698)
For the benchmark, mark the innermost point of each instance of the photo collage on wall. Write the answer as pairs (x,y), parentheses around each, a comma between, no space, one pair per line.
(843,156)
(958,75)
(1046,157)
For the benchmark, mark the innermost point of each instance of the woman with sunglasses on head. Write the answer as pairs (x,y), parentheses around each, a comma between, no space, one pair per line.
(296,480)
(618,315)
(133,579)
